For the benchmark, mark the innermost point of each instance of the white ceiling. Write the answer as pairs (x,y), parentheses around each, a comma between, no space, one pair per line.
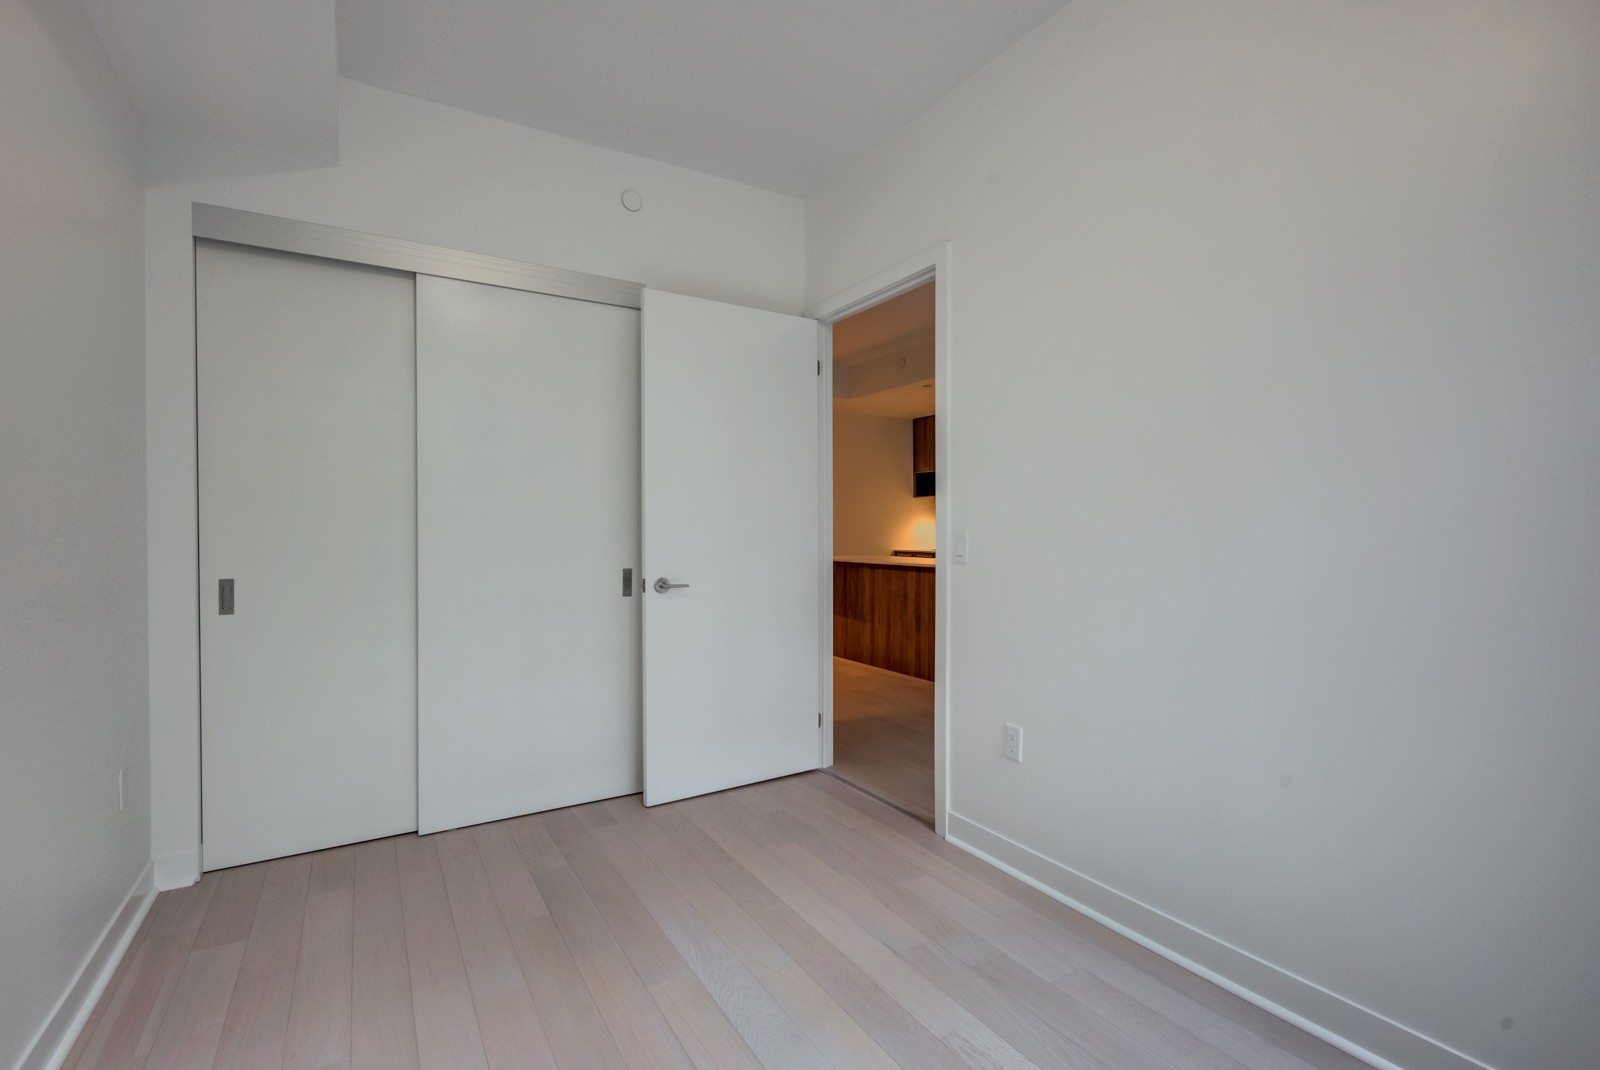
(883,357)
(888,326)
(780,94)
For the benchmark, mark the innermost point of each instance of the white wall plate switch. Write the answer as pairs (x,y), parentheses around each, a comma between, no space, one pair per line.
(961,547)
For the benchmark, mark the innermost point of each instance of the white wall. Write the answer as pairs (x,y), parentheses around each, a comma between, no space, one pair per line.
(72,643)
(428,173)
(230,71)
(1277,333)
(874,511)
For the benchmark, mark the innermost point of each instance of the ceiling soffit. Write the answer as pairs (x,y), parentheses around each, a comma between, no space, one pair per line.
(776,95)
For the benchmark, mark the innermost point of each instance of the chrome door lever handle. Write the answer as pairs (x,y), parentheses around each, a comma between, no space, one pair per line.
(662,586)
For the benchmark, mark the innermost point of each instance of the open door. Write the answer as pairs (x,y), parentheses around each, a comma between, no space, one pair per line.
(731,521)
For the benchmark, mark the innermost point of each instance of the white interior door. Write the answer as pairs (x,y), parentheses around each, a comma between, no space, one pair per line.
(528,512)
(305,379)
(731,509)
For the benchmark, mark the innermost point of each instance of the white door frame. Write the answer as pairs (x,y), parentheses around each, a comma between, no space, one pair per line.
(932,265)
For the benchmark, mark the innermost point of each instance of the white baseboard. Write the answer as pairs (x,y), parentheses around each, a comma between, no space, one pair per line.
(177,871)
(52,1043)
(1362,1032)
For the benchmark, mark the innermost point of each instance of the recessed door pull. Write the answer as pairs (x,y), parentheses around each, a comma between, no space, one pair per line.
(662,586)
(627,583)
(225,598)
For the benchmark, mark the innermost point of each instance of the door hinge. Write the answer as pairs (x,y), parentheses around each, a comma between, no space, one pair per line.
(819,367)
(819,718)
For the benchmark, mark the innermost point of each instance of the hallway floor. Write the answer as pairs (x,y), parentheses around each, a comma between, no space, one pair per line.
(796,923)
(883,735)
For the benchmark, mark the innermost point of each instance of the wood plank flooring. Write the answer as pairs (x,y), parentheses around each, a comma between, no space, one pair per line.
(792,925)
(883,734)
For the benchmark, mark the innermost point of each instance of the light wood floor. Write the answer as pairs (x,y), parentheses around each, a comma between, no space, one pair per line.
(794,924)
(883,734)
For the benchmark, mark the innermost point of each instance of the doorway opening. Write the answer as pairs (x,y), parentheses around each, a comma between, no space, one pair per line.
(885,549)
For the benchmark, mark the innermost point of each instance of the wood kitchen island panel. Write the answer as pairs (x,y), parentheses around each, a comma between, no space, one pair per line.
(883,616)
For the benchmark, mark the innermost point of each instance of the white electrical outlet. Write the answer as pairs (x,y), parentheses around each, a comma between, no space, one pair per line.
(122,790)
(961,548)
(1014,742)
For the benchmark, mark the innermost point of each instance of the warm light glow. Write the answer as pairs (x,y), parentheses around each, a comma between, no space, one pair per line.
(922,535)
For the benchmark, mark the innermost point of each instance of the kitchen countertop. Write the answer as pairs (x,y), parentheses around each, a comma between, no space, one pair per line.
(885,559)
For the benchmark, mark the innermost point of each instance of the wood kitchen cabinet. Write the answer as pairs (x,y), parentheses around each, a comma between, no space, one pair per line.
(922,465)
(883,615)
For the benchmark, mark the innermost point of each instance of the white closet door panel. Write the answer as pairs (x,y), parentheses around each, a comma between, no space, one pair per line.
(528,511)
(732,662)
(305,379)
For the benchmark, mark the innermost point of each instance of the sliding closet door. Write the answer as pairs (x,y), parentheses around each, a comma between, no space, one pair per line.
(528,513)
(305,376)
